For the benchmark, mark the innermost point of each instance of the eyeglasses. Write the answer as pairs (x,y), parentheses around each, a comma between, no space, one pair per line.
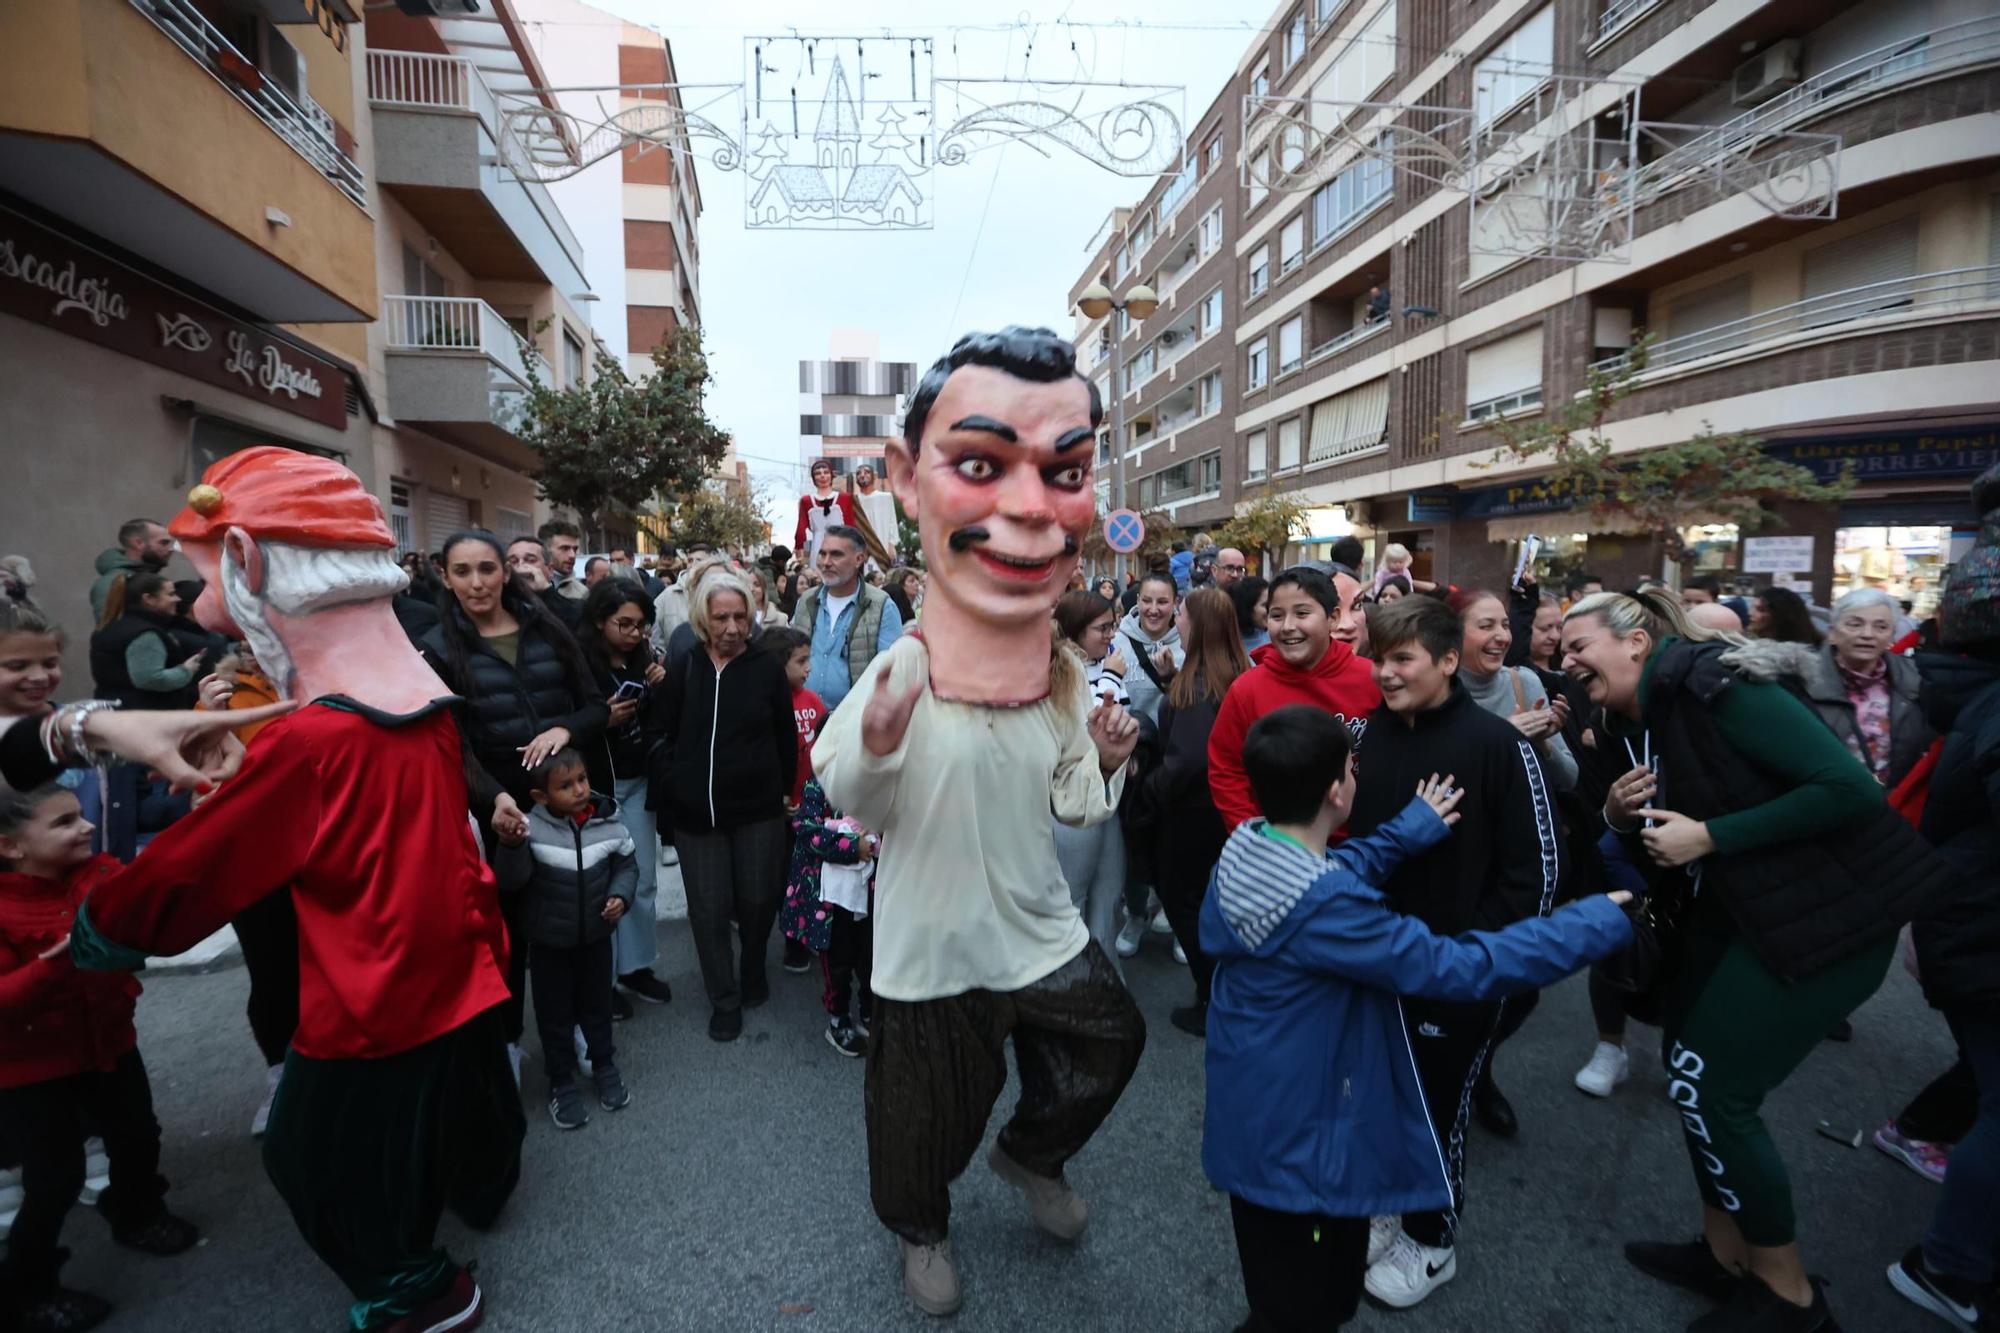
(627,624)
(1233,569)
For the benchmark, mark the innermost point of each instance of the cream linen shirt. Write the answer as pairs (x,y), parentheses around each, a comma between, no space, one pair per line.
(968,894)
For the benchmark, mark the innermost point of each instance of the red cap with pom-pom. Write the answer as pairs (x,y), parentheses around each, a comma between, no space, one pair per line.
(281,495)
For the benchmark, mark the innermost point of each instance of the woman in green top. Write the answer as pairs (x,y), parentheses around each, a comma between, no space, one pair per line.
(1796,881)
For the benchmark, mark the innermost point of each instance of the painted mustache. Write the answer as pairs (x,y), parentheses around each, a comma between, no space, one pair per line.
(967,538)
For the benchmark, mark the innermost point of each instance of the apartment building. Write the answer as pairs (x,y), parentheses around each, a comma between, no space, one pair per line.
(482,277)
(1378,330)
(186,261)
(638,210)
(851,404)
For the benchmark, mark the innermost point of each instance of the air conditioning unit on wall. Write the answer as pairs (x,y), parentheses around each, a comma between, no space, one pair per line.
(1766,74)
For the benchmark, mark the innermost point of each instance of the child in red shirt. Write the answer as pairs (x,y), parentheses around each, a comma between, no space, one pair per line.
(68,1055)
(808,709)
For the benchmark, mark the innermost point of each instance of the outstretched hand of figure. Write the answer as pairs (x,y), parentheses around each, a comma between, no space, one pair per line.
(1114,731)
(887,716)
(192,751)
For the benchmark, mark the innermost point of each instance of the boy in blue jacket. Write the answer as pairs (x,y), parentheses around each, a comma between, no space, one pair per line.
(1316,1119)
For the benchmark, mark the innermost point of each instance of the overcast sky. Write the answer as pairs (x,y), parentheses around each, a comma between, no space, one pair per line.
(771,298)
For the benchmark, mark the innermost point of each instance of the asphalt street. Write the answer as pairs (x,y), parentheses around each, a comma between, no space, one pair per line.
(733,1193)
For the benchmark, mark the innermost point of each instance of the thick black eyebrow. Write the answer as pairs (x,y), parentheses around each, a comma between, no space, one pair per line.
(990,426)
(1069,439)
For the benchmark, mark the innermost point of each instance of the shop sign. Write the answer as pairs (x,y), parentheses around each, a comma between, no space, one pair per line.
(1538,495)
(1433,508)
(63,286)
(1958,452)
(1777,555)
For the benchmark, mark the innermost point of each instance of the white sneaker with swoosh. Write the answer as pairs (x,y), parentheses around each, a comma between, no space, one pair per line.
(1409,1272)
(1915,1282)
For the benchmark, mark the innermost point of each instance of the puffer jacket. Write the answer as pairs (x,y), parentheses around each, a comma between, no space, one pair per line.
(507,706)
(1958,938)
(54,1019)
(1813,673)
(1314,1104)
(569,871)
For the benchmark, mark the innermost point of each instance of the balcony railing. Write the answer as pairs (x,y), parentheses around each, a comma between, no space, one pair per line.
(1929,293)
(1618,11)
(417,81)
(1341,342)
(299,121)
(454,324)
(1961,44)
(1505,405)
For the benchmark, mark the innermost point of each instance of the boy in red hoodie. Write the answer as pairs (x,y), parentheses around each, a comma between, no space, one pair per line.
(68,1054)
(1308,664)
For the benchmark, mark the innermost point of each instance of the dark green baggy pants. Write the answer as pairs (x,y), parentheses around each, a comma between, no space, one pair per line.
(369,1153)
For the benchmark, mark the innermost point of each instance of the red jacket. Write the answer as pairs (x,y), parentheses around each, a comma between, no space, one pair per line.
(54,1020)
(844,503)
(363,816)
(1340,683)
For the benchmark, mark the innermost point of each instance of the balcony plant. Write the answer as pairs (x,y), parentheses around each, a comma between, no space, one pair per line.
(611,444)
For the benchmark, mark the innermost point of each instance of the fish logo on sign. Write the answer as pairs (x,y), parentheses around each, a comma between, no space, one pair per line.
(1124,531)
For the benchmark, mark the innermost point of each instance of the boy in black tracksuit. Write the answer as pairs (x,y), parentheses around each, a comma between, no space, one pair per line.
(1503,863)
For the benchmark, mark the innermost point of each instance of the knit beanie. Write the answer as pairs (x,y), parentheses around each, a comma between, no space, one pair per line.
(1969,612)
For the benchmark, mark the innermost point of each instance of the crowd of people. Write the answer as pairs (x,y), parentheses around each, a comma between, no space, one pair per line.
(1371,813)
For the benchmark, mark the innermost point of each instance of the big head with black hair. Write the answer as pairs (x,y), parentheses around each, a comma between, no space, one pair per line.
(995,467)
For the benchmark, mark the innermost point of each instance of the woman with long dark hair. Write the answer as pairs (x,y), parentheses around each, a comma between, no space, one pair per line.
(617,619)
(1189,831)
(1785,877)
(527,693)
(1093,857)
(1251,597)
(1781,615)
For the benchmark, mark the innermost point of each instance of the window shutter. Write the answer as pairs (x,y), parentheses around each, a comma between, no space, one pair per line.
(444,515)
(1256,453)
(1881,254)
(1349,422)
(1288,444)
(1505,367)
(1700,311)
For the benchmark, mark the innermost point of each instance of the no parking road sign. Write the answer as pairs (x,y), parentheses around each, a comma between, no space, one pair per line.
(1124,531)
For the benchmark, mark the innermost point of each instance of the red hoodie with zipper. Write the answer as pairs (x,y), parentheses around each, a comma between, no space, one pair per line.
(56,1021)
(1340,683)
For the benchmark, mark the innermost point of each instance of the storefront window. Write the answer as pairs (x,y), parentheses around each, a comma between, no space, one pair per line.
(1907,563)
(1556,557)
(1712,549)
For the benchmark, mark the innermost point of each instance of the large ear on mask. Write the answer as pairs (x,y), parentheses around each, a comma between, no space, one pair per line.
(240,547)
(902,468)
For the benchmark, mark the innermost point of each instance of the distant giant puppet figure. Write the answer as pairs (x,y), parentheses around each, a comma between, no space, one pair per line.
(397,1099)
(821,508)
(971,731)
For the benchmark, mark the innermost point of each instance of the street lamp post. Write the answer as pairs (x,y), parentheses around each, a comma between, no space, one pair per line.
(1096,302)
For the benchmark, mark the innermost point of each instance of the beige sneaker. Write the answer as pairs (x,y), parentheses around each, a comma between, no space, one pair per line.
(1058,1209)
(930,1278)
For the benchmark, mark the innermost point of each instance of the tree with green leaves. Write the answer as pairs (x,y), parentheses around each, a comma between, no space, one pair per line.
(611,444)
(1263,527)
(1707,478)
(726,517)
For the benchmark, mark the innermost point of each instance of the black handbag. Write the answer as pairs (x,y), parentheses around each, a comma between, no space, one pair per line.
(1658,951)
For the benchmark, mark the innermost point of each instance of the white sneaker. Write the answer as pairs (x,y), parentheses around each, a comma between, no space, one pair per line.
(1382,1233)
(670,855)
(96,1171)
(514,1060)
(1162,926)
(1608,1067)
(262,1119)
(1180,954)
(1129,936)
(582,1049)
(1409,1272)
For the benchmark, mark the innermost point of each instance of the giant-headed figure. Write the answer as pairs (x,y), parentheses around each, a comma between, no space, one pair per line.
(970,732)
(397,1098)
